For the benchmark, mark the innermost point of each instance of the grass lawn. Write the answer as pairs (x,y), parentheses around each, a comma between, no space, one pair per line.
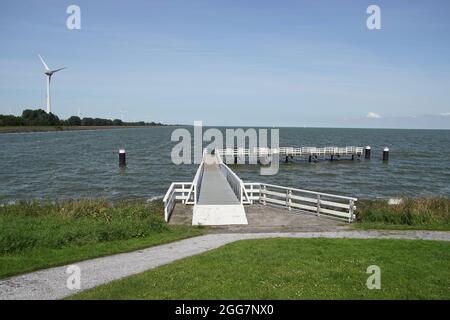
(295,269)
(41,235)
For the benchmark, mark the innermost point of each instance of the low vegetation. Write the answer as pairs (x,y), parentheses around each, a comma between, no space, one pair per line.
(409,213)
(41,118)
(295,269)
(35,235)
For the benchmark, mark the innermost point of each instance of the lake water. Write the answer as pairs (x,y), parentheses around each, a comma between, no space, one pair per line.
(84,164)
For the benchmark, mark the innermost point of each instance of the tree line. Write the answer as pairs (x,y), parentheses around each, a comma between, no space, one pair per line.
(41,118)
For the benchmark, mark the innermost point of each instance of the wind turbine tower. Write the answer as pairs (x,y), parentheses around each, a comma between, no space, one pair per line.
(49,74)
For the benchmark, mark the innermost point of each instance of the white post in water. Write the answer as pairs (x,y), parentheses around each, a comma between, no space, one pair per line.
(122,158)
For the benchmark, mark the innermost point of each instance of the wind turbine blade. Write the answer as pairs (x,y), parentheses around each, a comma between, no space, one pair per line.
(57,69)
(43,62)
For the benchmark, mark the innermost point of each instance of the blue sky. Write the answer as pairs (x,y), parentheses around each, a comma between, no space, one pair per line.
(255,63)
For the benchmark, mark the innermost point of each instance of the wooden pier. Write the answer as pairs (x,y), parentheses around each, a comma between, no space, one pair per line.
(311,154)
(218,196)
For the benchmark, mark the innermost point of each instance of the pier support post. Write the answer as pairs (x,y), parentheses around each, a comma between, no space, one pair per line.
(332,156)
(310,158)
(386,154)
(367,152)
(122,158)
(235,159)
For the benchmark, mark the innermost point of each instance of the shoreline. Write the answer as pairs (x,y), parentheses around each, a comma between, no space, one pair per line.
(30,129)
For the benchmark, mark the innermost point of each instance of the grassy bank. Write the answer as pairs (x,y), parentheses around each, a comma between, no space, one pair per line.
(410,213)
(38,235)
(295,269)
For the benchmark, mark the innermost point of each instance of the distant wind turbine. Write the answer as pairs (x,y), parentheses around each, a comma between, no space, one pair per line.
(122,112)
(49,74)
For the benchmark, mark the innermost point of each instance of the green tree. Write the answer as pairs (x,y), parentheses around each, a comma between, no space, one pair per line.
(74,121)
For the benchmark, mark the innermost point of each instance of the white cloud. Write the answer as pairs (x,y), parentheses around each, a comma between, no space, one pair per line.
(373,115)
(445,114)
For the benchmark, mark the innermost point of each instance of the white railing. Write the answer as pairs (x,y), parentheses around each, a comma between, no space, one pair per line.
(194,192)
(176,191)
(235,182)
(187,192)
(290,151)
(318,203)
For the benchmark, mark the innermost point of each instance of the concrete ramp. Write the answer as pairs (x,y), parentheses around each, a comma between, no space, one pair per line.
(217,204)
(216,215)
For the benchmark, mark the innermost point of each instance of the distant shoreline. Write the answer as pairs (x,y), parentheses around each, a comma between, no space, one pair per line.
(25,129)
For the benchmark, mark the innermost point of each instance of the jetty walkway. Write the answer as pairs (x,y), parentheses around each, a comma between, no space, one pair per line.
(217,196)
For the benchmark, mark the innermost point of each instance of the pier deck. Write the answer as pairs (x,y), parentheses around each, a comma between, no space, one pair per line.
(217,203)
(311,154)
(219,196)
(215,189)
(265,219)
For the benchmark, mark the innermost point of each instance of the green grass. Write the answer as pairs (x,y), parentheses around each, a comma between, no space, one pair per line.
(295,269)
(410,214)
(37,235)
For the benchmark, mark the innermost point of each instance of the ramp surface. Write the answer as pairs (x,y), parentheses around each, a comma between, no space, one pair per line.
(217,215)
(215,188)
(217,203)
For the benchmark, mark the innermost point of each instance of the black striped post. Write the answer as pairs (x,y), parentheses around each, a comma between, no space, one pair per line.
(367,152)
(122,158)
(386,154)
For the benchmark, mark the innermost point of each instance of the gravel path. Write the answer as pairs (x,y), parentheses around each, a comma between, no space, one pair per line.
(51,283)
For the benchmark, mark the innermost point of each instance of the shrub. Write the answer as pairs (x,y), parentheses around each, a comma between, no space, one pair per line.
(410,211)
(26,225)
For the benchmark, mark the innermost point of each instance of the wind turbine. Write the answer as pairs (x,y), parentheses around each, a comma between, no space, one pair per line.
(49,74)
(122,112)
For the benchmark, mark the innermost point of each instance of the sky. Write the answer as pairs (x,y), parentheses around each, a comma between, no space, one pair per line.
(232,62)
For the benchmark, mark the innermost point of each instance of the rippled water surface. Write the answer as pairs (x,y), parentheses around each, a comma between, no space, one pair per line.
(81,164)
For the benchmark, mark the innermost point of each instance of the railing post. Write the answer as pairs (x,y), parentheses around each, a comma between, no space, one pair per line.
(241,193)
(288,199)
(182,194)
(318,205)
(264,195)
(195,194)
(350,211)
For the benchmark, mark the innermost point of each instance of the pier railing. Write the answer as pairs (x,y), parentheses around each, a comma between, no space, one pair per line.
(319,203)
(177,191)
(291,151)
(235,182)
(187,192)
